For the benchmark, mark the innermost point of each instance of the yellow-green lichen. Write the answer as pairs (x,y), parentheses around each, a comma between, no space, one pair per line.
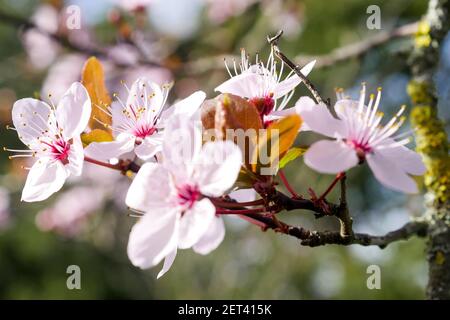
(422,36)
(432,143)
(420,92)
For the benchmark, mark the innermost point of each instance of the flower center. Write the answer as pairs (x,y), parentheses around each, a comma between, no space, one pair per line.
(187,195)
(361,148)
(144,130)
(59,150)
(263,105)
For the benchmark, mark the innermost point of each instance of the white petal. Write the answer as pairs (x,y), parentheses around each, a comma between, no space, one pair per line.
(390,173)
(182,143)
(218,167)
(212,238)
(153,237)
(74,110)
(109,150)
(148,94)
(168,261)
(244,85)
(330,156)
(76,157)
(150,188)
(195,222)
(149,147)
(30,118)
(320,120)
(186,107)
(287,85)
(44,178)
(410,161)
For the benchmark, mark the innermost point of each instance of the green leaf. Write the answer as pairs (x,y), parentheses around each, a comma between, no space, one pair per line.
(292,154)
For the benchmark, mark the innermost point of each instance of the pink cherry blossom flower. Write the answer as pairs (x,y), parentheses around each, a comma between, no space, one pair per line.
(263,86)
(138,123)
(52,133)
(359,137)
(173,196)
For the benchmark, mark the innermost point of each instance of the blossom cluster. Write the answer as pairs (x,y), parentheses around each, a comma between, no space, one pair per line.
(180,177)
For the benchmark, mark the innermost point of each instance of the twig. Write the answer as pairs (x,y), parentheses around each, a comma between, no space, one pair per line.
(274,43)
(360,48)
(20,22)
(287,185)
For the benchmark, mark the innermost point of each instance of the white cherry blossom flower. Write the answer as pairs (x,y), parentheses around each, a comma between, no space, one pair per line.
(263,86)
(173,196)
(52,133)
(359,137)
(137,124)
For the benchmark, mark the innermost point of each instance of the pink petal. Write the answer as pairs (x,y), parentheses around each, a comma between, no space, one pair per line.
(110,150)
(186,107)
(73,110)
(76,157)
(320,120)
(153,237)
(289,84)
(390,173)
(149,147)
(30,118)
(244,85)
(44,178)
(330,156)
(218,167)
(212,238)
(168,261)
(410,161)
(150,188)
(195,222)
(145,93)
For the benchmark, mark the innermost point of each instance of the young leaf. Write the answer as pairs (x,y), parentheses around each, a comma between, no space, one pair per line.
(94,80)
(96,135)
(274,143)
(292,154)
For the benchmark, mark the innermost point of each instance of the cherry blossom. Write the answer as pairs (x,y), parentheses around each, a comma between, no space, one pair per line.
(263,86)
(52,133)
(173,195)
(359,137)
(138,123)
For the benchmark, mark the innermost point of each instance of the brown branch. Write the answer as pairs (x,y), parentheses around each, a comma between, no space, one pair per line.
(23,24)
(360,48)
(273,41)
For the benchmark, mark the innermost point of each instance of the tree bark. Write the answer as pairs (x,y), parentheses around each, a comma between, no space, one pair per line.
(432,143)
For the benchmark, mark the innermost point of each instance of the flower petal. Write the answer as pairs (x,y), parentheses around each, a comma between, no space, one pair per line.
(76,157)
(109,150)
(153,237)
(148,94)
(150,188)
(410,161)
(168,261)
(287,85)
(243,195)
(73,110)
(44,178)
(195,222)
(217,167)
(244,85)
(330,156)
(212,238)
(390,173)
(149,147)
(320,120)
(30,118)
(186,107)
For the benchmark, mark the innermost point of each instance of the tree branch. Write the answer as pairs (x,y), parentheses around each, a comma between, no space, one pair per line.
(358,49)
(24,24)
(273,41)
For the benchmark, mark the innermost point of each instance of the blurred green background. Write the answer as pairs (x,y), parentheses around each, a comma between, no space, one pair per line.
(192,37)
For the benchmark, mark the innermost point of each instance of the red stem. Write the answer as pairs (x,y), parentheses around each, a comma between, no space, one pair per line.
(338,177)
(241,211)
(226,204)
(103,164)
(287,185)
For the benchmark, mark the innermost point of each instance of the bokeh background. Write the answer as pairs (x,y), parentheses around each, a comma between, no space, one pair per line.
(87,225)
